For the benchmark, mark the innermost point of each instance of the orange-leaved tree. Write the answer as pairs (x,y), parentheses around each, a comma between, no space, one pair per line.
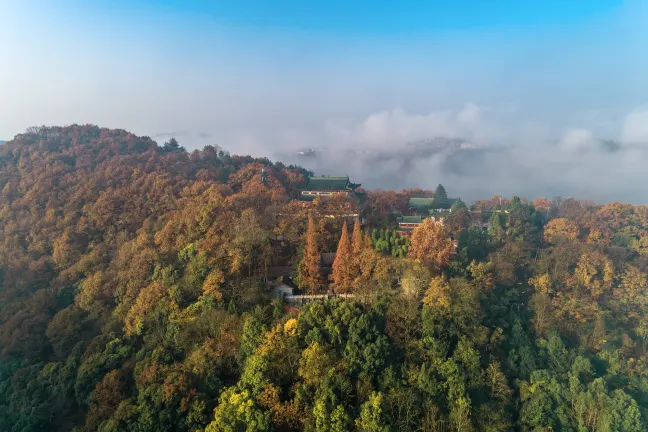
(431,244)
(343,266)
(308,271)
(561,229)
(357,240)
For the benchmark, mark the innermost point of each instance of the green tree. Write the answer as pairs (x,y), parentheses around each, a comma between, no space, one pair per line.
(237,411)
(371,415)
(440,200)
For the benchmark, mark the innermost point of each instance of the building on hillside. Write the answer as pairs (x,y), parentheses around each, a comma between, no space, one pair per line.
(407,224)
(419,204)
(424,205)
(326,186)
(284,286)
(451,202)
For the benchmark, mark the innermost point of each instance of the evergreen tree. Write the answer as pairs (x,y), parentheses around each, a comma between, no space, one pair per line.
(172,146)
(459,205)
(459,218)
(440,198)
(308,275)
(343,268)
(496,229)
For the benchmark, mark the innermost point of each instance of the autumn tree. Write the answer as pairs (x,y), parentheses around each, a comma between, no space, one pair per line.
(560,229)
(431,244)
(357,245)
(542,205)
(308,271)
(344,271)
(357,238)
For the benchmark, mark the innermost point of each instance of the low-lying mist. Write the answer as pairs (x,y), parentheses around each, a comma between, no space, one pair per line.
(476,158)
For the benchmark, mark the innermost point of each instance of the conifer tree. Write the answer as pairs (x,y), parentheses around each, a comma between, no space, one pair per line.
(343,268)
(459,218)
(308,274)
(357,239)
(367,240)
(496,229)
(440,198)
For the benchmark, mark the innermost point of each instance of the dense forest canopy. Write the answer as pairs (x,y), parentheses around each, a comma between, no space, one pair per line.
(135,296)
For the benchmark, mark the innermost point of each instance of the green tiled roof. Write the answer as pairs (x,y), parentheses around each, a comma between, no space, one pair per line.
(329,184)
(420,202)
(410,219)
(303,197)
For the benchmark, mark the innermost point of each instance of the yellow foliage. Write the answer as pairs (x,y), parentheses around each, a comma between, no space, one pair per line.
(290,327)
(641,245)
(595,272)
(560,229)
(314,364)
(438,294)
(213,282)
(541,283)
(274,341)
(146,299)
(91,296)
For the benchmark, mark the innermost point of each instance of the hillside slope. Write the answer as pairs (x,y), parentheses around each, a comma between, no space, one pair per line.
(133,297)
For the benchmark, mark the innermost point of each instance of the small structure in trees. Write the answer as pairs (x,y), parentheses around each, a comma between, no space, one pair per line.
(284,286)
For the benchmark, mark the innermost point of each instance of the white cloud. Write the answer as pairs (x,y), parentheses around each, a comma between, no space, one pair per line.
(635,127)
(577,140)
(395,127)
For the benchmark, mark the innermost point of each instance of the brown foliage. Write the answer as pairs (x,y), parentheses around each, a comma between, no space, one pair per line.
(309,267)
(431,244)
(344,270)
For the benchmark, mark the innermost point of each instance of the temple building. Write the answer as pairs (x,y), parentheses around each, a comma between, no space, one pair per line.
(407,224)
(425,205)
(326,186)
(420,204)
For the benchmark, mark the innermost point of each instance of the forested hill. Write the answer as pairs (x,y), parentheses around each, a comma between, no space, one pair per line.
(134,296)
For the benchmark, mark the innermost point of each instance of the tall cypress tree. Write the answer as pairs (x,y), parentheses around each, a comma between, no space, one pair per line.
(308,274)
(357,239)
(440,198)
(343,268)
(496,229)
(367,240)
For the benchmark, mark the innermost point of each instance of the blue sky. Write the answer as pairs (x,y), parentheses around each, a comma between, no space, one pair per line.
(368,17)
(267,76)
